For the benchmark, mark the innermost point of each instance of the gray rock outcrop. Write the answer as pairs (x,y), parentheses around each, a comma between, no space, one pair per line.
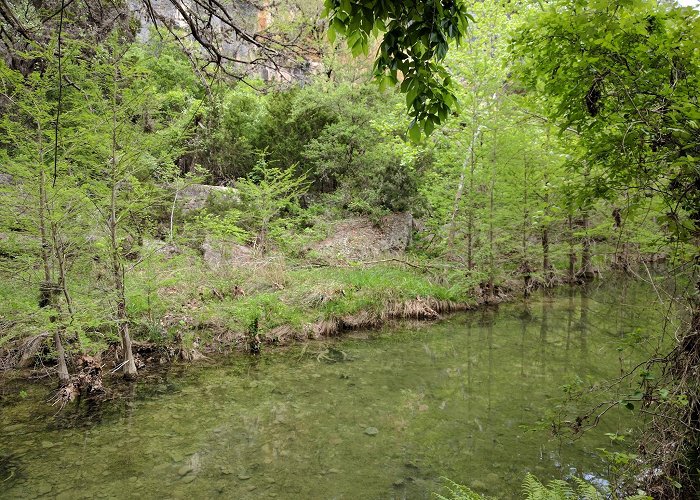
(195,196)
(219,254)
(359,238)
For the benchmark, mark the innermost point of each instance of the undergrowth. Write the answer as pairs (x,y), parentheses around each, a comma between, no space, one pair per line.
(533,489)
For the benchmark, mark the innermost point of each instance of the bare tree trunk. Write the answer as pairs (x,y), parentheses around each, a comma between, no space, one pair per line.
(46,298)
(492,186)
(48,288)
(586,271)
(129,365)
(572,251)
(468,166)
(60,254)
(546,264)
(61,287)
(547,269)
(172,213)
(525,265)
(62,369)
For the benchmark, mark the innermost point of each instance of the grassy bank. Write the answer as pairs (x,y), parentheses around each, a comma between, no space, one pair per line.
(180,308)
(287,301)
(179,304)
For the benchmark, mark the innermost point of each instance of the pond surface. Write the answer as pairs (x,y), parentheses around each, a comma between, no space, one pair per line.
(380,415)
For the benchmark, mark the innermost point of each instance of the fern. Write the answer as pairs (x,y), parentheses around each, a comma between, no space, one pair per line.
(533,489)
(456,491)
(587,490)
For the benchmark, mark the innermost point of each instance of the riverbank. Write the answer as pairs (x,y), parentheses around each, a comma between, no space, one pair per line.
(182,309)
(375,414)
(183,305)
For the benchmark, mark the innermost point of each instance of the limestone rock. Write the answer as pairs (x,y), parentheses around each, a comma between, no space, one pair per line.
(167,250)
(359,238)
(220,254)
(195,196)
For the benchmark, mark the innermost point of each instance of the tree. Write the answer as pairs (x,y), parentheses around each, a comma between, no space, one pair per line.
(121,152)
(625,76)
(261,200)
(266,194)
(45,208)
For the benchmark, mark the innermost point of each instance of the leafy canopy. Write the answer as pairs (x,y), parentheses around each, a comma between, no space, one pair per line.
(416,40)
(625,77)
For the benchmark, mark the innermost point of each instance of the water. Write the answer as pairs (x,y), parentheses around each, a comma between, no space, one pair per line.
(380,415)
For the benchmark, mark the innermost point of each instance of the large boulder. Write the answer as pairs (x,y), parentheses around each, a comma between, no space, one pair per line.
(195,196)
(220,254)
(359,238)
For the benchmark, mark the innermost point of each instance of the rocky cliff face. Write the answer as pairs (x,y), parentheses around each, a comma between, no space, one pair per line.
(227,31)
(243,14)
(215,23)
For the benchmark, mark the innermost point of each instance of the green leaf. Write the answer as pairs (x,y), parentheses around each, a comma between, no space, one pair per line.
(411,95)
(414,132)
(429,126)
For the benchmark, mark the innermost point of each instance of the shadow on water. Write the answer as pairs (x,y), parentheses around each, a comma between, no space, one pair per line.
(383,415)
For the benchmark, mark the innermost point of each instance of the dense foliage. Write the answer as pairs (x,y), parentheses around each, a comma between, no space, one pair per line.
(626,78)
(149,200)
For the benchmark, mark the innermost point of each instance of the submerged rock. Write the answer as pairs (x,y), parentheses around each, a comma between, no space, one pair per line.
(185,469)
(43,488)
(11,429)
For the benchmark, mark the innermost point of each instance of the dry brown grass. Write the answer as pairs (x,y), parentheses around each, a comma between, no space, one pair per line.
(422,308)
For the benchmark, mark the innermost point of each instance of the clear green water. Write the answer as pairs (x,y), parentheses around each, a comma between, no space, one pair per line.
(459,398)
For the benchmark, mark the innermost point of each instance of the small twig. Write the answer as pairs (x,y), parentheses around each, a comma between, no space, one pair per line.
(118,367)
(60,95)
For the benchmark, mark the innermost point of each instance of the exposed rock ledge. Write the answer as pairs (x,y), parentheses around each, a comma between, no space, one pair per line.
(359,238)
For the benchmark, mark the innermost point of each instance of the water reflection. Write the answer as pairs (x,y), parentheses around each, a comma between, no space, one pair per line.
(458,398)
